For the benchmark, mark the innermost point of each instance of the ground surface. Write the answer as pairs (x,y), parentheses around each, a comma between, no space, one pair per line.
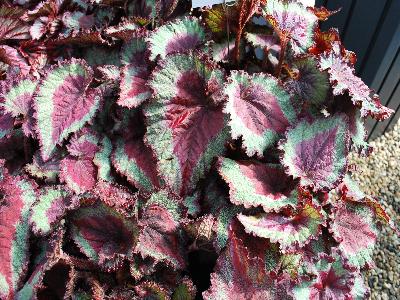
(379,175)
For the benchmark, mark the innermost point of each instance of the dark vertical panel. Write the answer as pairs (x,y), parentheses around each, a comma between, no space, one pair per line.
(319,3)
(394,102)
(361,26)
(388,83)
(385,49)
(338,20)
(380,39)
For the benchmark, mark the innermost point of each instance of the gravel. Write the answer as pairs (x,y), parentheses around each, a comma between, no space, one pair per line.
(379,175)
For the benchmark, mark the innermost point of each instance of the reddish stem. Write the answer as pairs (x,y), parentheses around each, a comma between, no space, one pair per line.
(284,42)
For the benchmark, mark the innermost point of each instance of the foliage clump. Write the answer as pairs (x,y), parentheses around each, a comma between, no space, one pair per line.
(151,151)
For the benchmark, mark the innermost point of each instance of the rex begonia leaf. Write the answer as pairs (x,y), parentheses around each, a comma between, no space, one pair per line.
(240,274)
(179,36)
(133,85)
(16,99)
(289,231)
(44,170)
(115,196)
(124,30)
(358,133)
(64,103)
(6,123)
(353,226)
(51,206)
(14,59)
(102,159)
(316,152)
(103,235)
(44,258)
(310,85)
(258,184)
(79,174)
(134,159)
(134,51)
(360,290)
(12,27)
(342,77)
(223,51)
(152,290)
(135,72)
(76,21)
(260,110)
(84,143)
(350,189)
(333,281)
(159,230)
(292,21)
(186,127)
(18,196)
(265,41)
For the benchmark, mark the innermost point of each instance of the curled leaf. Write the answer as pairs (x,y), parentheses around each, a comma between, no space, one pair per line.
(186,125)
(51,206)
(179,36)
(291,20)
(159,230)
(342,77)
(353,226)
(316,152)
(260,110)
(289,231)
(103,235)
(19,195)
(256,184)
(64,103)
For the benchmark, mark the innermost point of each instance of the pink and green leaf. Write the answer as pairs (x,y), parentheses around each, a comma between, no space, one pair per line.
(44,170)
(241,274)
(332,281)
(19,195)
(159,230)
(52,204)
(253,184)
(84,143)
(134,159)
(79,174)
(102,159)
(64,103)
(290,231)
(291,20)
(260,110)
(186,127)
(133,86)
(103,235)
(353,226)
(342,77)
(135,72)
(316,152)
(179,36)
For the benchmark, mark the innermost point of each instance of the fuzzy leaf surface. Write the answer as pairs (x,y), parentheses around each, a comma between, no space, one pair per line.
(316,152)
(64,103)
(260,110)
(186,126)
(253,184)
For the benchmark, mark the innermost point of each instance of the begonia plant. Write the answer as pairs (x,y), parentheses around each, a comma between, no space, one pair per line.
(153,151)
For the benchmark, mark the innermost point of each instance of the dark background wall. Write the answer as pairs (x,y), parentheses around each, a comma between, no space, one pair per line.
(371,28)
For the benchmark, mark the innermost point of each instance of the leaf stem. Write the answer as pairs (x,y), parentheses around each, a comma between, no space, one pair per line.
(284,42)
